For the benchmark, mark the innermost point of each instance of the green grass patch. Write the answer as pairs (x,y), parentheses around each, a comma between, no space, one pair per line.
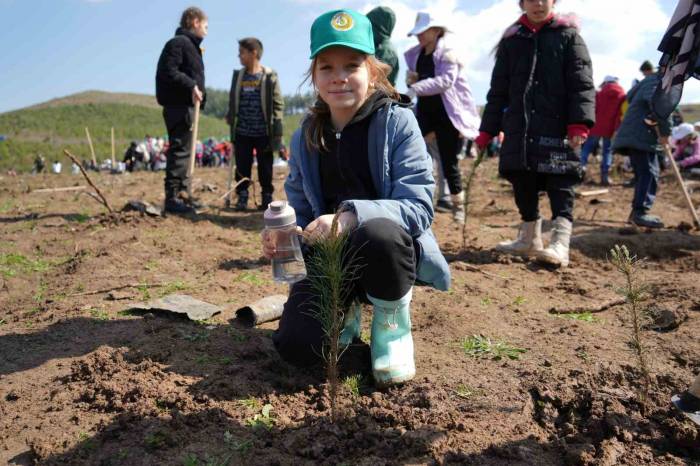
(479,346)
(250,277)
(353,383)
(99,314)
(13,264)
(519,300)
(263,419)
(250,403)
(172,287)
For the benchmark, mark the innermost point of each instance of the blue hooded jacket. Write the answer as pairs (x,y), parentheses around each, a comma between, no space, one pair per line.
(401,171)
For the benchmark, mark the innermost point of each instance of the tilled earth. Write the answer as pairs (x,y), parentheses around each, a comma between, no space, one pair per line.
(84,380)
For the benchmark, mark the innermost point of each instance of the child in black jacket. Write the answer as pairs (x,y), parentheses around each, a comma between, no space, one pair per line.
(179,84)
(542,97)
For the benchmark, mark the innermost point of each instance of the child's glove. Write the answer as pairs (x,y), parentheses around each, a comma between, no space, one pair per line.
(482,140)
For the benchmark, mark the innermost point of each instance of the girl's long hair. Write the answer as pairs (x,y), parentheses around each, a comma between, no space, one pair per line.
(319,115)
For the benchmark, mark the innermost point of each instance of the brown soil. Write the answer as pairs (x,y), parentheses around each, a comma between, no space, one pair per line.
(83,381)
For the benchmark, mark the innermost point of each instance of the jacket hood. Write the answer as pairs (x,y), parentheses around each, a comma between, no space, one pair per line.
(568,20)
(184,32)
(383,21)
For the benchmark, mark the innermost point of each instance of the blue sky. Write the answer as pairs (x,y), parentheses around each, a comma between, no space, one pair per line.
(57,47)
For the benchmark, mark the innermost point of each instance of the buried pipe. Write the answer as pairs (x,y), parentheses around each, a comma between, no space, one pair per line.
(264,310)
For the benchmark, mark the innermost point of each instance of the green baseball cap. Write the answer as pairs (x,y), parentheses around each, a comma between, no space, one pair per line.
(346,28)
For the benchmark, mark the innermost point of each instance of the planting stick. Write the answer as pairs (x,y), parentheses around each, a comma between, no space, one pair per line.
(92,149)
(82,170)
(114,160)
(467,193)
(679,178)
(232,169)
(193,147)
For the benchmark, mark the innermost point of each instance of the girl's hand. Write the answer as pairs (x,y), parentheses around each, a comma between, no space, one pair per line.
(269,242)
(411,77)
(321,227)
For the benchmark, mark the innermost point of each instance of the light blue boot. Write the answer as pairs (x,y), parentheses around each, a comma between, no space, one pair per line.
(392,343)
(351,325)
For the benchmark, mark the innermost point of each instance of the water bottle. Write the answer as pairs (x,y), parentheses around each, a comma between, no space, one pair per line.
(288,262)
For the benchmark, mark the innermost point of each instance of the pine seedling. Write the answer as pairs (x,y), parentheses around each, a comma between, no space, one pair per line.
(467,193)
(634,291)
(331,268)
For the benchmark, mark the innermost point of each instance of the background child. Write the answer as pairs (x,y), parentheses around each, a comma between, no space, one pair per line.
(608,115)
(179,84)
(360,152)
(542,93)
(687,151)
(446,110)
(255,115)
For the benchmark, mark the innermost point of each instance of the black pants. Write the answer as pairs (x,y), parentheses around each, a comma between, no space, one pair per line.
(387,258)
(527,186)
(178,121)
(244,162)
(449,142)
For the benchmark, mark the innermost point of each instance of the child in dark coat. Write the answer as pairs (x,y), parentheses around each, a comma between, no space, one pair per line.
(542,97)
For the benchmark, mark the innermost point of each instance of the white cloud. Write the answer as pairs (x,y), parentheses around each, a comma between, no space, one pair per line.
(619,34)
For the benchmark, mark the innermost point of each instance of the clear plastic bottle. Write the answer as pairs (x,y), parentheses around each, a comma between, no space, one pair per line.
(288,262)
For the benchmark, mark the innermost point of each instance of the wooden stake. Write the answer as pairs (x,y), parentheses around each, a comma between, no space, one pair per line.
(592,309)
(679,178)
(56,190)
(114,159)
(92,149)
(193,147)
(82,170)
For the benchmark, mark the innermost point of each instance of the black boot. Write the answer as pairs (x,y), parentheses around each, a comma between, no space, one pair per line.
(266,199)
(242,203)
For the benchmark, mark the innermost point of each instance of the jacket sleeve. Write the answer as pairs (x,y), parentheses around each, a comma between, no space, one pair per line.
(277,109)
(447,72)
(169,65)
(294,184)
(230,117)
(497,97)
(410,201)
(580,88)
(646,93)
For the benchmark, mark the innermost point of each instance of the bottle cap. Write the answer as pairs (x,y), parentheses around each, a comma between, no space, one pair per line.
(279,214)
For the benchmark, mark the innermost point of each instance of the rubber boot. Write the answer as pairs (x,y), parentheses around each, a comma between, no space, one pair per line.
(528,242)
(392,343)
(351,325)
(458,208)
(557,253)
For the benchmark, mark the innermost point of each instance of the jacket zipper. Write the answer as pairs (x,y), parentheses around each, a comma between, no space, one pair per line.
(338,134)
(525,108)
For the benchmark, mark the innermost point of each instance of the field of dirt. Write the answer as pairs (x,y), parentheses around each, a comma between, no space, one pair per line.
(84,380)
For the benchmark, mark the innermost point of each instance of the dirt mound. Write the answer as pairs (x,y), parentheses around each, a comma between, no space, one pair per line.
(110,381)
(603,421)
(654,245)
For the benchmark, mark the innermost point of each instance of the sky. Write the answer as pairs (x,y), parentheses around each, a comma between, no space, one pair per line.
(53,48)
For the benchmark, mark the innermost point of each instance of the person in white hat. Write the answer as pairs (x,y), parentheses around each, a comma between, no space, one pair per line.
(687,151)
(446,110)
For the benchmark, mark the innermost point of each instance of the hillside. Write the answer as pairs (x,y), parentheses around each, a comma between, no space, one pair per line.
(100,97)
(59,124)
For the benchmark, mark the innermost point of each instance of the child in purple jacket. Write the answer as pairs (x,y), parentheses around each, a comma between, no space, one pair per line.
(687,152)
(446,108)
